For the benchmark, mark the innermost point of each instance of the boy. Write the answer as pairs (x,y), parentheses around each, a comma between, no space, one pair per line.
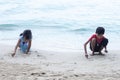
(97,42)
(24,43)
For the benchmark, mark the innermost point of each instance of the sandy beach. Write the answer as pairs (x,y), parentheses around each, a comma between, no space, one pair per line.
(50,65)
(59,29)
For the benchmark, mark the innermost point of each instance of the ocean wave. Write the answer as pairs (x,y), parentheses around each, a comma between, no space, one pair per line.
(7,26)
(82,30)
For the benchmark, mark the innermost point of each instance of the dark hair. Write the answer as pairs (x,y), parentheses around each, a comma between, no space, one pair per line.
(100,30)
(21,34)
(27,34)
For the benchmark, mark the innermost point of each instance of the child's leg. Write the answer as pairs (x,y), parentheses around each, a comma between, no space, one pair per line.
(105,42)
(103,45)
(101,48)
(93,43)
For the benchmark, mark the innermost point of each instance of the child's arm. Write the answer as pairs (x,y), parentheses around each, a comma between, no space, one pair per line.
(16,48)
(106,49)
(85,49)
(29,46)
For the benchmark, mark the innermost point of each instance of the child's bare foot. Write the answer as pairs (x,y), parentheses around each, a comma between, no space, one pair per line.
(86,56)
(92,54)
(100,53)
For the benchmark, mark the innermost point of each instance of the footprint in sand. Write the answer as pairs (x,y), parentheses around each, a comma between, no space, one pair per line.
(55,79)
(38,74)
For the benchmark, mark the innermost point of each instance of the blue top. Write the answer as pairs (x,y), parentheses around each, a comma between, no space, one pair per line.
(23,44)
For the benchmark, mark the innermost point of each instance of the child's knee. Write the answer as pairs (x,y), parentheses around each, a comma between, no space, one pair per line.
(105,42)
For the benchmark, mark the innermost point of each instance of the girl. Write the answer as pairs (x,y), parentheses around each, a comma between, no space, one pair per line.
(24,43)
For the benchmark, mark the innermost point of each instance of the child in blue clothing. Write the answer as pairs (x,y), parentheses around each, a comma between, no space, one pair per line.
(24,43)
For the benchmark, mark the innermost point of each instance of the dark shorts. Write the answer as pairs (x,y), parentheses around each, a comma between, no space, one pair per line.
(98,46)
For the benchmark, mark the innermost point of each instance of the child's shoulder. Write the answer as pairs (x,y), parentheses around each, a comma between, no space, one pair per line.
(21,37)
(94,35)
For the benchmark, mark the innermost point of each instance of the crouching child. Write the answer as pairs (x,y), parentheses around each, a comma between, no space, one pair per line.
(24,42)
(97,42)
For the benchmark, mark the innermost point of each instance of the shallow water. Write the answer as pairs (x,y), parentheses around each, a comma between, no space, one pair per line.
(58,24)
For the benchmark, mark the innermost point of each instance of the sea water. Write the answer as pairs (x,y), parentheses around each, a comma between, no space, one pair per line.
(59,25)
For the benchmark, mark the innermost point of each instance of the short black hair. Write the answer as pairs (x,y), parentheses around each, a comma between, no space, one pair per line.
(27,34)
(100,30)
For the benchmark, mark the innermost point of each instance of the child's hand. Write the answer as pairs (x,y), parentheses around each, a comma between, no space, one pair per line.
(86,56)
(13,54)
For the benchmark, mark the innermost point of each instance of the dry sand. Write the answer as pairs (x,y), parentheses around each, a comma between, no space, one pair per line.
(51,65)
